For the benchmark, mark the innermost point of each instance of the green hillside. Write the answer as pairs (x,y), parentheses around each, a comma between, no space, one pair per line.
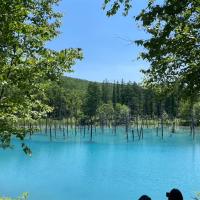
(75,83)
(80,84)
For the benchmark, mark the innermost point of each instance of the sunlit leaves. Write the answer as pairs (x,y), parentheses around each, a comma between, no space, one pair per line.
(24,196)
(173,47)
(105,111)
(27,66)
(115,5)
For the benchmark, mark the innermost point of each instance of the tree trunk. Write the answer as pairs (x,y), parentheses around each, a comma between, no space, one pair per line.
(67,127)
(133,135)
(91,133)
(192,120)
(46,126)
(173,126)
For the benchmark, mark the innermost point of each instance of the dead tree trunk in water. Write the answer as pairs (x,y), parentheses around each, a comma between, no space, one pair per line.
(50,132)
(67,127)
(157,129)
(147,125)
(141,133)
(115,128)
(126,126)
(63,129)
(84,130)
(192,126)
(102,125)
(173,126)
(46,126)
(161,118)
(162,126)
(40,125)
(133,135)
(75,121)
(91,133)
(141,130)
(137,126)
(55,129)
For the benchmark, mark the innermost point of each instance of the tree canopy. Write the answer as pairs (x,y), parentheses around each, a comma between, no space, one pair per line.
(27,65)
(173,46)
(92,99)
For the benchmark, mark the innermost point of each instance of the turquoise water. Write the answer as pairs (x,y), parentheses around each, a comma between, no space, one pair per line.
(107,169)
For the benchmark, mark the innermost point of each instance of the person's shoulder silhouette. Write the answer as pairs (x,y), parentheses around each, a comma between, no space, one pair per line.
(144,197)
(174,194)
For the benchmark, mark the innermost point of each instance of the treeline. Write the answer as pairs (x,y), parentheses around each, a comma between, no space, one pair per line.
(80,107)
(89,99)
(88,104)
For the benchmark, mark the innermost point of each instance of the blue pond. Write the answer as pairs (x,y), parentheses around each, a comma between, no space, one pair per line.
(107,169)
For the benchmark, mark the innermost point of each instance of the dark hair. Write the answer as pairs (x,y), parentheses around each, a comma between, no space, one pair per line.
(144,197)
(174,194)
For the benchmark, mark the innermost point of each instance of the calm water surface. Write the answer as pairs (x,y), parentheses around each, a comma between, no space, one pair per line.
(107,169)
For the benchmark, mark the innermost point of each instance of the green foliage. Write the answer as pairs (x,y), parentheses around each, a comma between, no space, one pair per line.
(121,113)
(57,100)
(115,6)
(69,83)
(105,111)
(173,45)
(173,49)
(74,103)
(106,92)
(197,110)
(24,196)
(27,66)
(66,102)
(92,99)
(122,110)
(78,102)
(187,110)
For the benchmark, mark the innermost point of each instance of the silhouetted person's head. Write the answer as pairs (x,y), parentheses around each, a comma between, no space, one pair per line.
(144,197)
(174,194)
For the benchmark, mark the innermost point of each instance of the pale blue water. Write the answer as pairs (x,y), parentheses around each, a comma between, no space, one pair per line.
(108,169)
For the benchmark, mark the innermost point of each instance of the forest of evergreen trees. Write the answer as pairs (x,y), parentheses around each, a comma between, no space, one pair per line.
(85,101)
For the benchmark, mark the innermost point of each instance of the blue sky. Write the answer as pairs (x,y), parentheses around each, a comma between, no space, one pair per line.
(106,42)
